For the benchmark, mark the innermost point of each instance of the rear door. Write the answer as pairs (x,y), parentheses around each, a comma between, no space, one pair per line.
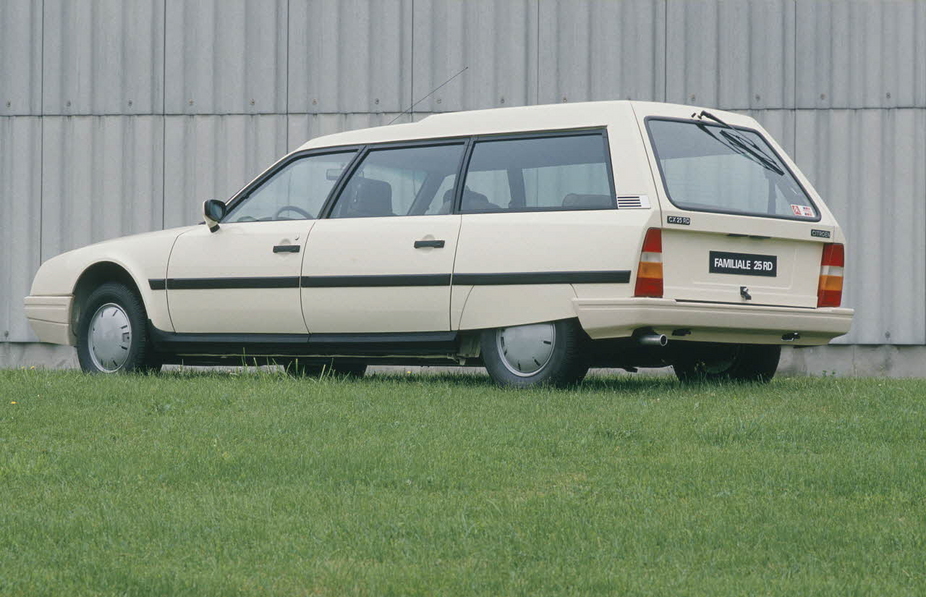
(382,260)
(739,226)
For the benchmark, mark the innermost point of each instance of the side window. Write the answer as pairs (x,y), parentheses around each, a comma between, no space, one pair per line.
(295,192)
(443,199)
(401,181)
(482,184)
(536,174)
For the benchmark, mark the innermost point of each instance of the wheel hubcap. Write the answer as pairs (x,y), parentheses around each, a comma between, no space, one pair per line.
(526,349)
(109,337)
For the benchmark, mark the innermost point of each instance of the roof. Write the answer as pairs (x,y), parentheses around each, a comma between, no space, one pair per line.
(474,122)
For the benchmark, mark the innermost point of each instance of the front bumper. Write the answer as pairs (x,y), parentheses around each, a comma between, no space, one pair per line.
(50,318)
(711,322)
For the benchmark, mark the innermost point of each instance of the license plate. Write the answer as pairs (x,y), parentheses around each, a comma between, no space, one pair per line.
(743,264)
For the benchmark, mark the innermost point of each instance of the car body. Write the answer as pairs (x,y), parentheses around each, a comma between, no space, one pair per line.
(624,233)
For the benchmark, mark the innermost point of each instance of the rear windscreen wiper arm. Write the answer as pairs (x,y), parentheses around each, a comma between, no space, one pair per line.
(745,144)
(736,146)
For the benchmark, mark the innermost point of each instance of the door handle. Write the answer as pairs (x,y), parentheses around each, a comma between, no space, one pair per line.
(286,248)
(434,244)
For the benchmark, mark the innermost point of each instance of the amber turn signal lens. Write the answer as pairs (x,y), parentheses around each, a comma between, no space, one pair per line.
(649,273)
(832,264)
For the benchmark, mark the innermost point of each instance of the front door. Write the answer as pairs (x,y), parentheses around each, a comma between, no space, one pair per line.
(244,277)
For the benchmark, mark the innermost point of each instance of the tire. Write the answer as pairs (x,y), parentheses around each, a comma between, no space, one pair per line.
(526,356)
(112,334)
(336,368)
(729,362)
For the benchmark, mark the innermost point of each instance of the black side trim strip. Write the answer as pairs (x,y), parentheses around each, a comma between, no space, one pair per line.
(375,281)
(508,278)
(606,277)
(215,283)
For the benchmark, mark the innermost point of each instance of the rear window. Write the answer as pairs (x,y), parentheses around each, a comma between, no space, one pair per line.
(708,167)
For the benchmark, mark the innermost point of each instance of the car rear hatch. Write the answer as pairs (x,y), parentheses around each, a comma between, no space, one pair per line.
(738,225)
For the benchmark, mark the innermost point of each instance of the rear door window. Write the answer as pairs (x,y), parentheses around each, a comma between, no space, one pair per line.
(402,181)
(539,174)
(708,167)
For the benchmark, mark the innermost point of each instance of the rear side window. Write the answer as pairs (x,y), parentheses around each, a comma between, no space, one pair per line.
(538,174)
(708,167)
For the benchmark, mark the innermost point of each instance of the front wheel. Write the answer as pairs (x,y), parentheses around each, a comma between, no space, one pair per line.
(531,355)
(729,362)
(111,333)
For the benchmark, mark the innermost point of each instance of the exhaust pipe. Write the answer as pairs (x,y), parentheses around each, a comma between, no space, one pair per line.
(653,340)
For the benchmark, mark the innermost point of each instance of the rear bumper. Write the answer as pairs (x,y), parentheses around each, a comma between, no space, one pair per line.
(50,318)
(710,322)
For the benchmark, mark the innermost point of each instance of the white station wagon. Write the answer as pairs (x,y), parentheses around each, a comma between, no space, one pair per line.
(536,241)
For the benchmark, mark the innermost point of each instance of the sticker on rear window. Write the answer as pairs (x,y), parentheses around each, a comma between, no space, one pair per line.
(805,211)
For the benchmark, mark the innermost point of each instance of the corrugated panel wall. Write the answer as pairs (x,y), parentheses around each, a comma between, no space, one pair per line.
(20,57)
(226,57)
(118,116)
(103,57)
(737,55)
(627,39)
(870,167)
(495,41)
(213,156)
(349,56)
(861,54)
(20,206)
(102,178)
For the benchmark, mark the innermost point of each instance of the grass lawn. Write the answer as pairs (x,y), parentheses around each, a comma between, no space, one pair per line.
(258,484)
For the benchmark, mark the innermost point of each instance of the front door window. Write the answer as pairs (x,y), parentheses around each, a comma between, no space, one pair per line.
(295,192)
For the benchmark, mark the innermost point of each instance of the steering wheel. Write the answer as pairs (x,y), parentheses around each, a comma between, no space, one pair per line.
(298,210)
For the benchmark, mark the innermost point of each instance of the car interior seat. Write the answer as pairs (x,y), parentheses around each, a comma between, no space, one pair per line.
(472,201)
(372,198)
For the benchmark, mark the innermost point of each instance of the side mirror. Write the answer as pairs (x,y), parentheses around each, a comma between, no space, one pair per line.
(213,212)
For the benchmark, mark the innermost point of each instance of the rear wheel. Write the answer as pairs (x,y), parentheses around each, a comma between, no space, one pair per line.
(530,355)
(733,362)
(111,332)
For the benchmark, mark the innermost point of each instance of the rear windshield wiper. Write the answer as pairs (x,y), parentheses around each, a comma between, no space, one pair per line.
(743,145)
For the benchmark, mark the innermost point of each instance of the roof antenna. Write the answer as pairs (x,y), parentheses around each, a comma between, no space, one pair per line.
(412,107)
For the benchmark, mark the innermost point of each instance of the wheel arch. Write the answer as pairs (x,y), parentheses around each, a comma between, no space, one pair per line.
(92,277)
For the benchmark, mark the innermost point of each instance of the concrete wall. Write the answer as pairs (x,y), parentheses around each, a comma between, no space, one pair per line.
(121,116)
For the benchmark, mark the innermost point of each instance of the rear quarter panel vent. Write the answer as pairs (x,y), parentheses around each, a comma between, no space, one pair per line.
(633,202)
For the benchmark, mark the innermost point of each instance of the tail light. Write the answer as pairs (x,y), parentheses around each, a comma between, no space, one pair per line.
(649,274)
(829,293)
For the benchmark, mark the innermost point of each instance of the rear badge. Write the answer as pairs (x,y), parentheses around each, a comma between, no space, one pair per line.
(820,233)
(805,211)
(743,264)
(683,220)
